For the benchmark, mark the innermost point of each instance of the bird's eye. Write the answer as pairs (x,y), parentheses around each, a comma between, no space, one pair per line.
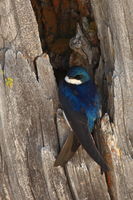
(78,77)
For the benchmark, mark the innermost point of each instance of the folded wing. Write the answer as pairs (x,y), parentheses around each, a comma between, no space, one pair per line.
(79,124)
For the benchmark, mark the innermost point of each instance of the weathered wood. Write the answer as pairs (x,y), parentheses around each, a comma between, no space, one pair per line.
(114,21)
(28,104)
(85,179)
(27,123)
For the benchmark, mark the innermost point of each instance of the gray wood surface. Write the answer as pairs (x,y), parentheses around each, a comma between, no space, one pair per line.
(30,129)
(115,21)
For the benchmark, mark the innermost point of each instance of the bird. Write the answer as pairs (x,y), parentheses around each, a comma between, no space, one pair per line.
(81,104)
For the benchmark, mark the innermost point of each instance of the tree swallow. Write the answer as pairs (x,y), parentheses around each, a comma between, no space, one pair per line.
(81,103)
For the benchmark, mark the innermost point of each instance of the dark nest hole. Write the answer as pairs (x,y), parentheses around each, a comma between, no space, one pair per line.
(57,23)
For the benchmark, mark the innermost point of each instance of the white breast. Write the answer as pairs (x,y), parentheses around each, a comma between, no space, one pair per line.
(73,81)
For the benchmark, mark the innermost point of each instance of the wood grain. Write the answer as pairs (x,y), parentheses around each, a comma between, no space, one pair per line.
(29,138)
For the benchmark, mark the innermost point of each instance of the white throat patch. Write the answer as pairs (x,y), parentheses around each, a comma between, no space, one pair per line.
(73,81)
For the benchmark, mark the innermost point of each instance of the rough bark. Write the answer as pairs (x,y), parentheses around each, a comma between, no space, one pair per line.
(30,131)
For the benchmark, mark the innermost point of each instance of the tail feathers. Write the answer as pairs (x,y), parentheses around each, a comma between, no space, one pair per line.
(69,148)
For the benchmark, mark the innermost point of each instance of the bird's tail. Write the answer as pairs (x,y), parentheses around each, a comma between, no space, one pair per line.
(68,150)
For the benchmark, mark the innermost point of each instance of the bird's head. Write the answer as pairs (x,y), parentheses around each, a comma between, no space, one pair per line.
(77,75)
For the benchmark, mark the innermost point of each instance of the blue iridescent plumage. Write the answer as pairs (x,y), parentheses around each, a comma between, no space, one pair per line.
(82,97)
(81,103)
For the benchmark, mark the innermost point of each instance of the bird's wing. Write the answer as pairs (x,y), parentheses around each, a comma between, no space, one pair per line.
(79,124)
(69,148)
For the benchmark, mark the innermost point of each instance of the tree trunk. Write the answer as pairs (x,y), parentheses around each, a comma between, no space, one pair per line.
(32,126)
